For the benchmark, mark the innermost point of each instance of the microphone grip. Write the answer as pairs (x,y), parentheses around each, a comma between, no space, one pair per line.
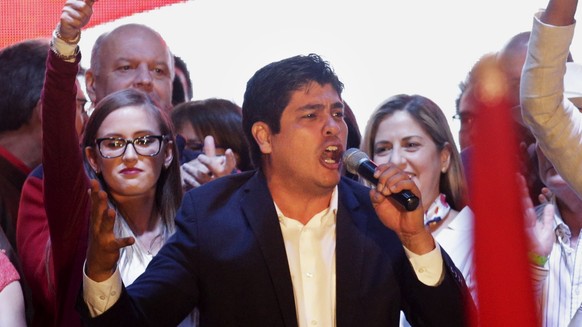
(406,198)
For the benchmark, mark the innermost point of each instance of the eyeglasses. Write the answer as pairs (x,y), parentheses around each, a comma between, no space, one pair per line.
(466,118)
(113,147)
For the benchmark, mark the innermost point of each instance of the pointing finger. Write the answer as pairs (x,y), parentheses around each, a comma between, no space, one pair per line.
(209,146)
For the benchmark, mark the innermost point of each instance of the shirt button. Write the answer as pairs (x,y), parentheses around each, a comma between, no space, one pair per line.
(309,275)
(113,293)
(102,297)
(314,322)
(421,270)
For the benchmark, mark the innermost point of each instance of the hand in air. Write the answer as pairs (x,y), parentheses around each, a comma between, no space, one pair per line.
(207,166)
(103,248)
(540,231)
(75,15)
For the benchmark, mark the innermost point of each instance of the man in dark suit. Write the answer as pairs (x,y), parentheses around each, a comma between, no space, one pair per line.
(293,243)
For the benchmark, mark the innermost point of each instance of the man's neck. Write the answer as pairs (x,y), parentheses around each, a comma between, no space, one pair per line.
(298,204)
(25,148)
(301,210)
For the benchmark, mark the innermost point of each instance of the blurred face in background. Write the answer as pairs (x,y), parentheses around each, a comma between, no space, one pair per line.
(551,179)
(81,113)
(195,142)
(467,114)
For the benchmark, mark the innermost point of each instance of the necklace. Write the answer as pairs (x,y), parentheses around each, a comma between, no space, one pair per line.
(149,250)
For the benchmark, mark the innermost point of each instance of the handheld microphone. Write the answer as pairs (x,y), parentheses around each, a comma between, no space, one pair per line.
(357,162)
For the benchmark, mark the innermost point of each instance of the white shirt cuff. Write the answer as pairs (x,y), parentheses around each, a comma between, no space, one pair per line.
(64,48)
(428,267)
(100,296)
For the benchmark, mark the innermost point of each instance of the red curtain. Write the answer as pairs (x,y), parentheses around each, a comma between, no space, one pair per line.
(26,19)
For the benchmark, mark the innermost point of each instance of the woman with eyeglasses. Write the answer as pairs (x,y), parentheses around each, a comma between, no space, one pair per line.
(412,132)
(127,149)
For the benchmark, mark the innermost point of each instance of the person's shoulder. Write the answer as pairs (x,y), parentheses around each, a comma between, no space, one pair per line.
(219,198)
(354,194)
(349,185)
(461,220)
(223,186)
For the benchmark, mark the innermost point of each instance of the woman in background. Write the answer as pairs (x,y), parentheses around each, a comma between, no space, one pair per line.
(412,132)
(213,142)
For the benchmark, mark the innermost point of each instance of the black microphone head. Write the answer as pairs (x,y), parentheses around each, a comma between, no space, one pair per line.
(352,159)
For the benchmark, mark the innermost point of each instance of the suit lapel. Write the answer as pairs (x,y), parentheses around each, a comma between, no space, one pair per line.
(259,210)
(350,236)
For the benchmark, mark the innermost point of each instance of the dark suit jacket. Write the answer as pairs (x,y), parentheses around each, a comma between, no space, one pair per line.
(228,259)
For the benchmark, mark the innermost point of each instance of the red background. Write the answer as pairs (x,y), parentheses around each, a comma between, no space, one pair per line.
(25,19)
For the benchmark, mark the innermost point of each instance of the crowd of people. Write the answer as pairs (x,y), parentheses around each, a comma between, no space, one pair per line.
(150,208)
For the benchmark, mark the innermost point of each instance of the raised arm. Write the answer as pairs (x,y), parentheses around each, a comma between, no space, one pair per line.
(65,182)
(555,122)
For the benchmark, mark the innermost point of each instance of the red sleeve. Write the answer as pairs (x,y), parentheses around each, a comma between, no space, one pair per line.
(32,239)
(65,182)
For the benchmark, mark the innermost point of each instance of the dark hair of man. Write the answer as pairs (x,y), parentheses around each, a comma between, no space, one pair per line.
(169,188)
(269,91)
(354,135)
(178,92)
(22,67)
(220,118)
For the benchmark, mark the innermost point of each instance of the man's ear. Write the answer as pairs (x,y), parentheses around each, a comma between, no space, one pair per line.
(90,85)
(262,134)
(445,157)
(92,158)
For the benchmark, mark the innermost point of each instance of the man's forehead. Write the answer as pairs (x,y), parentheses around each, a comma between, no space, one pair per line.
(136,37)
(312,86)
(135,43)
(135,50)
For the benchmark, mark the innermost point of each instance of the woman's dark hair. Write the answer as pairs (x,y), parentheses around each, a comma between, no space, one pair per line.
(220,118)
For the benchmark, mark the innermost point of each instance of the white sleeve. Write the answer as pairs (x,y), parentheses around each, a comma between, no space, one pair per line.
(428,267)
(554,120)
(100,296)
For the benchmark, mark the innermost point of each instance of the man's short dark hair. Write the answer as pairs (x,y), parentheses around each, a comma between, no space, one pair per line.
(179,95)
(269,91)
(22,68)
